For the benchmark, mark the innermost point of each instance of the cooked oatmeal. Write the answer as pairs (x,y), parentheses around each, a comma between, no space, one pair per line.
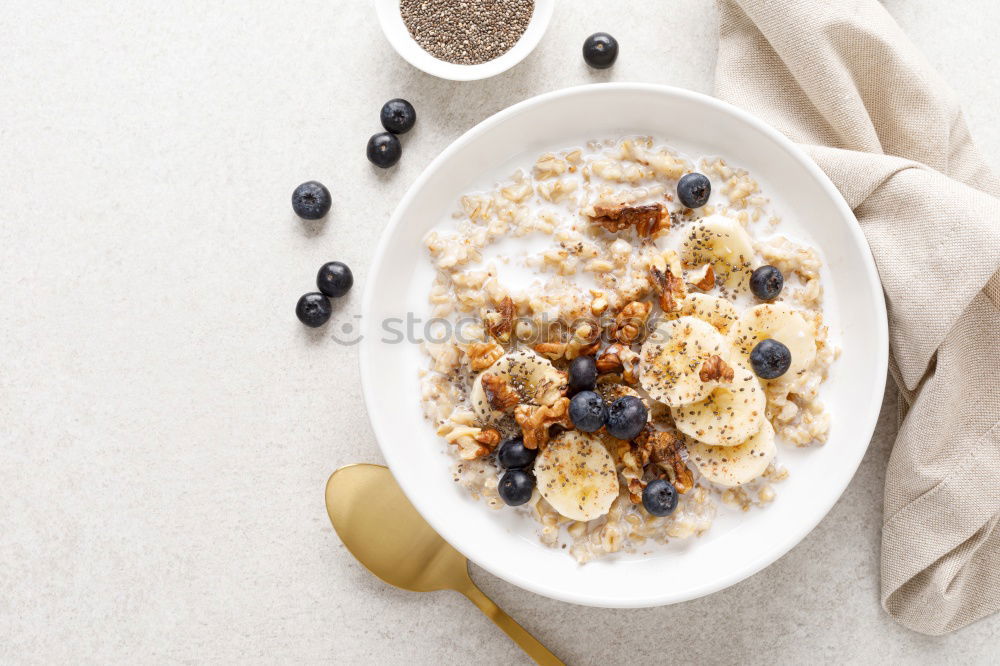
(590,253)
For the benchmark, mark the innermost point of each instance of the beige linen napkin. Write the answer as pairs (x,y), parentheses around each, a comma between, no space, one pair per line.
(841,78)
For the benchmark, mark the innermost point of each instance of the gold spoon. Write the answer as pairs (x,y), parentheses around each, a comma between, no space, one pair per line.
(382,529)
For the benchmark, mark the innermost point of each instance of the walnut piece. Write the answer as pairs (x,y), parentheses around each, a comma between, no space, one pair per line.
(668,287)
(647,220)
(619,358)
(483,354)
(535,421)
(499,393)
(631,322)
(665,452)
(703,278)
(715,368)
(500,323)
(488,437)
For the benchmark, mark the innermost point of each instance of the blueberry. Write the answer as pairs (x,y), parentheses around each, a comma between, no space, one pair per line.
(335,279)
(515,487)
(311,200)
(587,411)
(398,116)
(313,309)
(770,359)
(693,189)
(513,454)
(766,283)
(600,50)
(659,497)
(626,417)
(582,374)
(384,149)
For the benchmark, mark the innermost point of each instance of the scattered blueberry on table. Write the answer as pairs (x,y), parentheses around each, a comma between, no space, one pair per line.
(311,200)
(384,149)
(334,279)
(313,309)
(766,283)
(600,50)
(693,189)
(587,411)
(659,497)
(626,417)
(398,116)
(515,487)
(770,359)
(513,454)
(582,374)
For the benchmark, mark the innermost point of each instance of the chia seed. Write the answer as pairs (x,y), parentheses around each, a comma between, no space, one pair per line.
(466,32)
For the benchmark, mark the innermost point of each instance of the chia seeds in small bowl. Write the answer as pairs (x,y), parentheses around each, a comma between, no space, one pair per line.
(464,40)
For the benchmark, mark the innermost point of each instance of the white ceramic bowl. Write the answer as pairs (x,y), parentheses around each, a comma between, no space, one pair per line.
(401,40)
(504,542)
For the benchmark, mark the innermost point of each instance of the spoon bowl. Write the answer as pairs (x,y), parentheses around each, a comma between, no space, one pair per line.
(380,527)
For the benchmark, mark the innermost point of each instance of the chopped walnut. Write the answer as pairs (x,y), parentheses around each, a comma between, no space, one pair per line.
(500,323)
(536,421)
(715,368)
(499,393)
(631,322)
(668,287)
(551,350)
(665,452)
(647,220)
(703,278)
(483,354)
(489,437)
(619,358)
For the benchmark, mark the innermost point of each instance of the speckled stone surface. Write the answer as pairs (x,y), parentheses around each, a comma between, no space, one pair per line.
(168,426)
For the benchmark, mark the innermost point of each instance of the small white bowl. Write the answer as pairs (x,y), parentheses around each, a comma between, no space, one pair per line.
(401,39)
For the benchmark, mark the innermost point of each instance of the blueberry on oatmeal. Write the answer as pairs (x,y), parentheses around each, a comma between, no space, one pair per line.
(770,359)
(659,497)
(693,189)
(582,374)
(627,417)
(515,487)
(513,454)
(766,283)
(587,411)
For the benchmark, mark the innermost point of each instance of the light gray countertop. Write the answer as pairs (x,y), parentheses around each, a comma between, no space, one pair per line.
(167,424)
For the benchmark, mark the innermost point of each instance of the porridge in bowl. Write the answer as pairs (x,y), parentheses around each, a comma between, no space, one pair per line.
(629,342)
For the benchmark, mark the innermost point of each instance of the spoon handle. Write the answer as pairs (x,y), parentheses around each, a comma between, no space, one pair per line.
(517,633)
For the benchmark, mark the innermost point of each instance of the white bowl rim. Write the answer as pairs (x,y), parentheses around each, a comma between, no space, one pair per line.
(512,573)
(443,69)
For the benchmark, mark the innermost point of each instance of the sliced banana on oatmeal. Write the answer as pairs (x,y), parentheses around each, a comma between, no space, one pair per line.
(782,323)
(519,377)
(577,476)
(735,465)
(718,312)
(731,414)
(672,357)
(724,243)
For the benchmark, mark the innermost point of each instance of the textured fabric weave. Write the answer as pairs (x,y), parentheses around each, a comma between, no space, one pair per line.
(840,78)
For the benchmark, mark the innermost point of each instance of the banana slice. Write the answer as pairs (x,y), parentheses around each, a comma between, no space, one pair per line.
(735,465)
(724,243)
(718,312)
(731,414)
(671,359)
(577,476)
(782,323)
(534,379)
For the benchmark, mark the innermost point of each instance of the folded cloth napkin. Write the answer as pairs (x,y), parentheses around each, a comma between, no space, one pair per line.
(841,78)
